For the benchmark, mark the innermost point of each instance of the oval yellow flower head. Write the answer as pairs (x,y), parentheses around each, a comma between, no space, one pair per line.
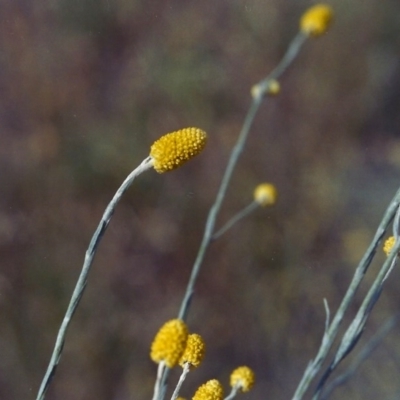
(174,149)
(265,194)
(316,20)
(389,244)
(243,378)
(194,351)
(169,343)
(211,390)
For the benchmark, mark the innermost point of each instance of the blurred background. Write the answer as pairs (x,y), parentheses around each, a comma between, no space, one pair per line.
(87,86)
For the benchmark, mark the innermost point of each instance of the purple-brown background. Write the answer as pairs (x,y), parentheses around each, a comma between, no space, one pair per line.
(85,88)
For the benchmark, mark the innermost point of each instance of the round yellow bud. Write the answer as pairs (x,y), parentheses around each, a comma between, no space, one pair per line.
(265,194)
(211,390)
(174,149)
(273,88)
(194,351)
(169,343)
(389,244)
(242,378)
(316,20)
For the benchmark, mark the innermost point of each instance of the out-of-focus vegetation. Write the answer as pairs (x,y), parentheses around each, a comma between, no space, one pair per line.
(87,86)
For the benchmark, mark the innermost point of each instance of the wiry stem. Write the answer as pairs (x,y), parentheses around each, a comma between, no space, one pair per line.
(286,61)
(185,371)
(236,218)
(81,284)
(262,86)
(330,334)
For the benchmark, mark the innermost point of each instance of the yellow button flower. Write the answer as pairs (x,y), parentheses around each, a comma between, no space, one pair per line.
(174,149)
(389,244)
(265,194)
(211,390)
(194,351)
(243,378)
(169,343)
(316,20)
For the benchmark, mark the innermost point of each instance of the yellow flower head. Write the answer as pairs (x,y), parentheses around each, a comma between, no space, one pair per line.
(242,378)
(389,244)
(174,149)
(211,390)
(194,351)
(169,343)
(316,20)
(265,194)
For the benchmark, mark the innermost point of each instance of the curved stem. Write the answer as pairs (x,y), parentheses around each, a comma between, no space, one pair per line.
(82,280)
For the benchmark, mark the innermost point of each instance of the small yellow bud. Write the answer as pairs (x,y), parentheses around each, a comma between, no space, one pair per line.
(265,194)
(169,343)
(316,20)
(174,149)
(211,390)
(389,244)
(243,378)
(194,351)
(272,88)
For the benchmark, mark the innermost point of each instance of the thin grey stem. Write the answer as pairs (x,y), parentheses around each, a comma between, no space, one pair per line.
(157,385)
(329,336)
(241,214)
(210,223)
(356,327)
(185,371)
(287,59)
(292,52)
(361,357)
(82,280)
(233,393)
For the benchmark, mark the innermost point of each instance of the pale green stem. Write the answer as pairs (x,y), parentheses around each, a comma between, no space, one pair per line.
(185,371)
(330,334)
(82,280)
(240,215)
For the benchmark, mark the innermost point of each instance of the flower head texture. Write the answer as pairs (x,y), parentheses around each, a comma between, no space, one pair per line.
(174,149)
(169,343)
(389,244)
(316,20)
(265,194)
(211,390)
(242,378)
(194,351)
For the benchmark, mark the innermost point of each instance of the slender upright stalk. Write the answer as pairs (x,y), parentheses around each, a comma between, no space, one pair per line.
(262,86)
(82,281)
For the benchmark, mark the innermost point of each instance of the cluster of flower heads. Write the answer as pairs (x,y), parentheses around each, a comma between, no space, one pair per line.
(173,345)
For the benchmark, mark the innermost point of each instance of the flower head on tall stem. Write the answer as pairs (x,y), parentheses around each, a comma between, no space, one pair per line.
(175,148)
(316,20)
